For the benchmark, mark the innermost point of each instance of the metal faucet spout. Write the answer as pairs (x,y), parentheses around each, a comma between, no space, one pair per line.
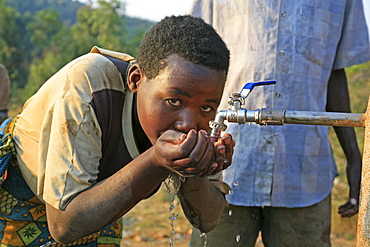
(218,125)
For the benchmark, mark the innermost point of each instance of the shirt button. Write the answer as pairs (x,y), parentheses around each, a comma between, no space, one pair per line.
(283,13)
(276,135)
(281,52)
(277,94)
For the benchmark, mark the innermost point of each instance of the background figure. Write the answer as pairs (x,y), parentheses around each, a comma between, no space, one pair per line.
(4,93)
(282,176)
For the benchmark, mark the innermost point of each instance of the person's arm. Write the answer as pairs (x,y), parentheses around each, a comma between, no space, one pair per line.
(3,115)
(203,201)
(338,101)
(93,209)
(103,203)
(4,93)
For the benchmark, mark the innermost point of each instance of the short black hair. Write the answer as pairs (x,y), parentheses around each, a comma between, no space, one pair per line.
(187,36)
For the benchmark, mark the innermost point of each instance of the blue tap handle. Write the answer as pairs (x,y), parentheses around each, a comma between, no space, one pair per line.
(248,87)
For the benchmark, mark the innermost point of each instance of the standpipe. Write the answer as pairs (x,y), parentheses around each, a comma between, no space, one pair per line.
(270,116)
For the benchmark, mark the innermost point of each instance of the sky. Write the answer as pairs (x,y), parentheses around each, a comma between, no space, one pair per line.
(155,10)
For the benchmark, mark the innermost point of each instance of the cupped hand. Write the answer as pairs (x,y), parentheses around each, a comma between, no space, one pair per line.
(190,154)
(224,152)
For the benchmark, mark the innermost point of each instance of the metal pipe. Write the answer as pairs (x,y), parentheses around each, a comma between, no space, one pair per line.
(269,116)
(272,116)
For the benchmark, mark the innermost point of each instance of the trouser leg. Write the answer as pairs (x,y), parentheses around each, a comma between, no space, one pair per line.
(301,227)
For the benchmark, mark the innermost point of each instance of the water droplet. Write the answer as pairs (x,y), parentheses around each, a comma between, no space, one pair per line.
(48,244)
(236,183)
(230,212)
(173,217)
(254,216)
(237,238)
(205,239)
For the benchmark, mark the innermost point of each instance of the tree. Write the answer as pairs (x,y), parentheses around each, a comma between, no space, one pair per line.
(54,47)
(44,25)
(56,44)
(101,26)
(66,8)
(10,53)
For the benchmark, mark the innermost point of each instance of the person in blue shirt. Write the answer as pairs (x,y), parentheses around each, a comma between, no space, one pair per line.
(282,176)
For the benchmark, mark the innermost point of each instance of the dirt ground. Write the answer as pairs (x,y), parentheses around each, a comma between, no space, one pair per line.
(149,225)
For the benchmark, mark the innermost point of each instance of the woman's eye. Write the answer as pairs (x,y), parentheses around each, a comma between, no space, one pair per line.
(174,102)
(207,108)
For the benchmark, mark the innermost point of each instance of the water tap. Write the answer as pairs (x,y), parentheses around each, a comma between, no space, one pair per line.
(236,113)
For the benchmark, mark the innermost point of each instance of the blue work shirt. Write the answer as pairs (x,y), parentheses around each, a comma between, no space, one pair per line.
(297,43)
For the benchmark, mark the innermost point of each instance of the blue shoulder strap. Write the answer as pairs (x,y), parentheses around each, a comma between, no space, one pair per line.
(6,150)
